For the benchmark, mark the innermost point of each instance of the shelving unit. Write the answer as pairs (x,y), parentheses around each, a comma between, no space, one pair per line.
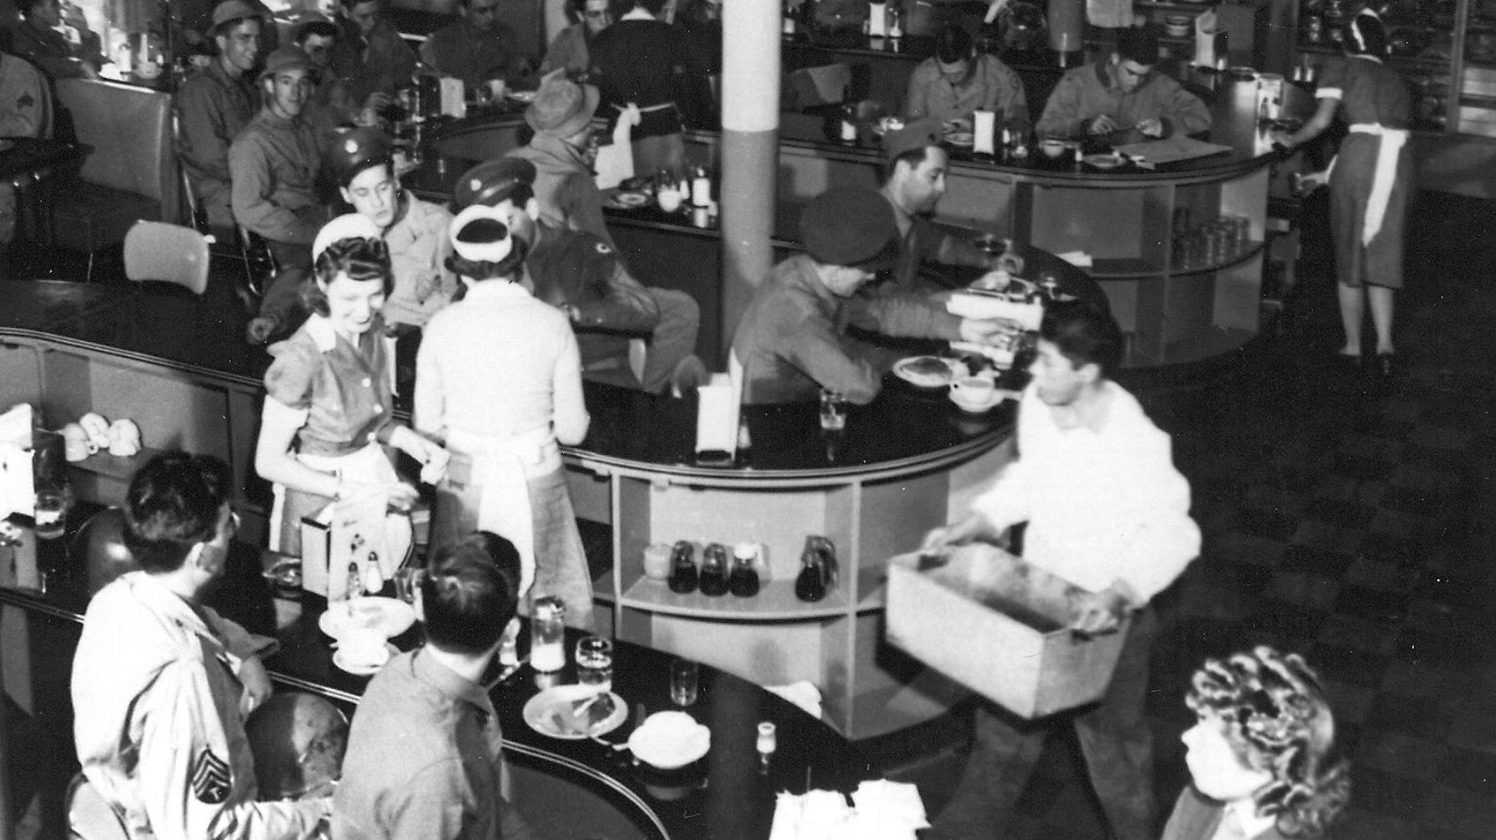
(1446,50)
(1246,25)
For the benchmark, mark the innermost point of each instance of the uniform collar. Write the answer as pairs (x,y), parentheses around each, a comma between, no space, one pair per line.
(450,683)
(496,290)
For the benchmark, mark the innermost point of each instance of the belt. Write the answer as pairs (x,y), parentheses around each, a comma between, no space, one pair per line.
(1392,141)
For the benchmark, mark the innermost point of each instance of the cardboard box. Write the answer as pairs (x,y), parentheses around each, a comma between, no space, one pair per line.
(1000,627)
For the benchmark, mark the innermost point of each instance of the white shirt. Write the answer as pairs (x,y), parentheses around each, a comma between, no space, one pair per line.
(499,363)
(1101,506)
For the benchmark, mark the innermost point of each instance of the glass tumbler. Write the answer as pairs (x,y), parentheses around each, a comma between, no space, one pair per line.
(595,664)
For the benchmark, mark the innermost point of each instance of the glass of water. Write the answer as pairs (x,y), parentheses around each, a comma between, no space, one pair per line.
(833,411)
(595,663)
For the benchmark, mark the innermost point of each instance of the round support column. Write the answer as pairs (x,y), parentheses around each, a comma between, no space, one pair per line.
(1067,27)
(749,153)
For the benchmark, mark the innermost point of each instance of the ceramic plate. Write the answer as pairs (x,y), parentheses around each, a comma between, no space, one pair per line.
(526,96)
(362,670)
(959,138)
(1104,161)
(389,615)
(998,395)
(924,371)
(551,713)
(630,200)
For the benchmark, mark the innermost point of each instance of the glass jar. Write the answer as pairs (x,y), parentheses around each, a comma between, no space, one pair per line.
(714,570)
(683,575)
(547,634)
(743,582)
(818,569)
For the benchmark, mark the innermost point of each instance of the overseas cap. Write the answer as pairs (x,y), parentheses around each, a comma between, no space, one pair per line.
(848,226)
(346,226)
(492,181)
(288,57)
(561,107)
(358,149)
(915,135)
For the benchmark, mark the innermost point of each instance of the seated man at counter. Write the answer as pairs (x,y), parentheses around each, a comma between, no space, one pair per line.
(562,155)
(584,276)
(1108,511)
(956,81)
(425,755)
(161,684)
(35,37)
(370,56)
(214,105)
(569,49)
(477,47)
(1121,95)
(792,339)
(330,102)
(275,162)
(913,184)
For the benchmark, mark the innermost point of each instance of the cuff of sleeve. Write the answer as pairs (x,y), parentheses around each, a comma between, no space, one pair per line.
(1123,588)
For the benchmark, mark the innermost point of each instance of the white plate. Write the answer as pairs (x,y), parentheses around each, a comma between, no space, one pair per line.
(525,96)
(1104,161)
(959,138)
(630,199)
(670,740)
(998,395)
(389,615)
(539,709)
(362,670)
(902,370)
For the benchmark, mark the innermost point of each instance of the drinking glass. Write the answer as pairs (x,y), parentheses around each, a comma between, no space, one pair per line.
(833,411)
(684,677)
(595,663)
(51,514)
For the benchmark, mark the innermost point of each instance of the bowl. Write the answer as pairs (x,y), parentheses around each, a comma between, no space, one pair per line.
(1052,148)
(1177,26)
(670,740)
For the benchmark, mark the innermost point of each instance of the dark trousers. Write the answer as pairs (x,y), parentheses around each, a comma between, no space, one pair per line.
(1114,736)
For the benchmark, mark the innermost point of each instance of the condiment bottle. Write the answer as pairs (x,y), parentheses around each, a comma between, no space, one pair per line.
(815,574)
(743,582)
(683,577)
(547,632)
(701,188)
(714,570)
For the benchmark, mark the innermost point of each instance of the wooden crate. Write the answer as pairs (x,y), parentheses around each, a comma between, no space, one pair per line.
(1000,627)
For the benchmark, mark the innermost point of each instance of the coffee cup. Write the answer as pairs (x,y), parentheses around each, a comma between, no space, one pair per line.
(972,391)
(1052,147)
(363,647)
(669,199)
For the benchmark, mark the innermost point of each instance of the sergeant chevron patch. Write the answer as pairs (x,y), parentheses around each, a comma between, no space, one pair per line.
(210,778)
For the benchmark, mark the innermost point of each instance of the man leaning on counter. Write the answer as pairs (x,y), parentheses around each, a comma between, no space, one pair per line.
(792,341)
(1122,96)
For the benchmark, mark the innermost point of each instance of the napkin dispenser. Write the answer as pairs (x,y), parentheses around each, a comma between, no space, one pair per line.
(983,132)
(453,98)
(344,545)
(17,472)
(717,413)
(877,17)
(983,306)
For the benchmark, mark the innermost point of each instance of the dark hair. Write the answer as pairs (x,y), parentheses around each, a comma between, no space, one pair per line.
(361,259)
(349,4)
(1139,44)
(914,157)
(485,230)
(320,28)
(1365,34)
(26,7)
(1083,335)
(469,593)
(172,505)
(952,44)
(1277,719)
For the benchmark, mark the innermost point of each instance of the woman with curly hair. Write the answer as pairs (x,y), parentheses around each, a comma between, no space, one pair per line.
(1263,760)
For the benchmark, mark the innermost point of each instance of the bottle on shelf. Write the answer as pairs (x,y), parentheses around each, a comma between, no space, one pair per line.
(743,582)
(788,23)
(714,570)
(817,569)
(701,187)
(683,575)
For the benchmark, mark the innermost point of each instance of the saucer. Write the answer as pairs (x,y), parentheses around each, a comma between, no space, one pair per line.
(1111,161)
(925,371)
(629,200)
(960,138)
(998,395)
(363,670)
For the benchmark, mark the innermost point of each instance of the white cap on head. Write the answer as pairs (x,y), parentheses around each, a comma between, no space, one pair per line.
(346,226)
(492,251)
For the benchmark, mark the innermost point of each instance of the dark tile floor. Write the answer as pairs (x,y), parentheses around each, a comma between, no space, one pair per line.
(1351,521)
(1344,519)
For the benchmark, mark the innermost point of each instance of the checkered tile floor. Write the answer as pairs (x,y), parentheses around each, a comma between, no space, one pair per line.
(1351,521)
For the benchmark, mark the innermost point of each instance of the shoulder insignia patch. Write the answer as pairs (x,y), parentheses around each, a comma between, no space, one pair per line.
(210,778)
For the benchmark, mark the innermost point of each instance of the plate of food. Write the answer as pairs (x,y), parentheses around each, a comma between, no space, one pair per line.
(926,371)
(573,712)
(1110,160)
(959,138)
(629,200)
(390,616)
